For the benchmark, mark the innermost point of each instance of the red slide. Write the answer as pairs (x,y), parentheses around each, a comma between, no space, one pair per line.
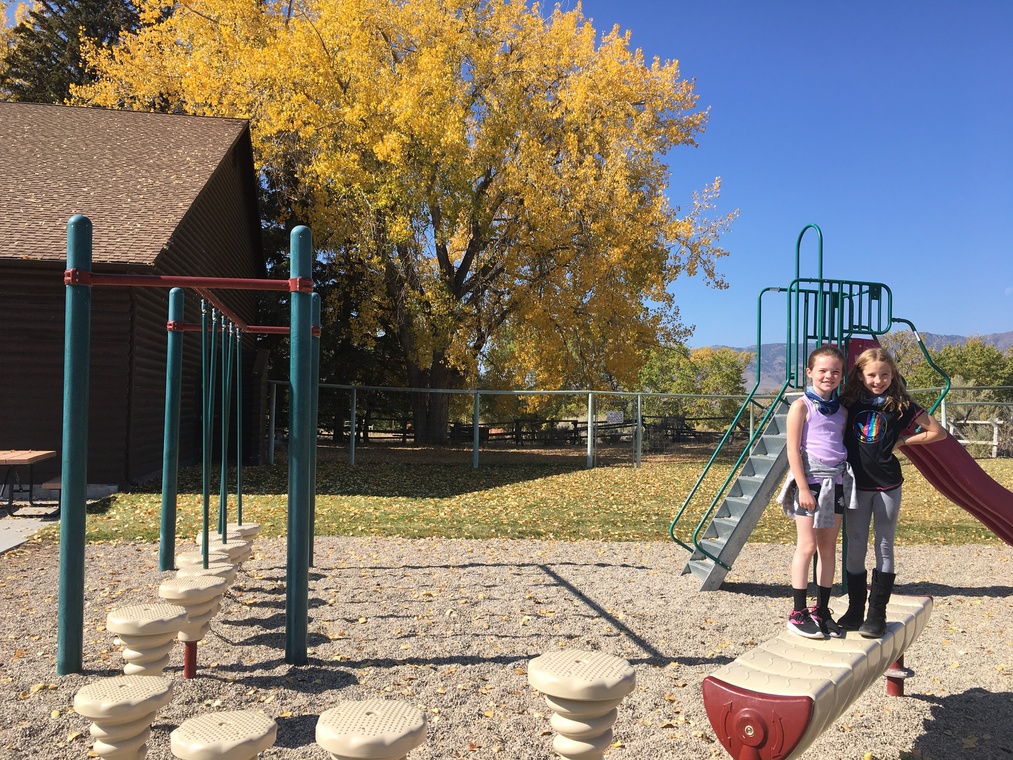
(954,473)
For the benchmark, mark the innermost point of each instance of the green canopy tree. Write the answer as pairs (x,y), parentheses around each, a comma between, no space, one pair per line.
(487,169)
(41,56)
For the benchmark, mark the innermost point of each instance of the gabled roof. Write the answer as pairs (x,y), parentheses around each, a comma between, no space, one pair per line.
(133,174)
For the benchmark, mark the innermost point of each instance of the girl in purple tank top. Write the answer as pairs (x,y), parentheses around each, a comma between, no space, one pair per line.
(814,492)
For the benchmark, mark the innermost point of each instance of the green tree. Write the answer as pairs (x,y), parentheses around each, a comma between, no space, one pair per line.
(494,170)
(703,371)
(41,58)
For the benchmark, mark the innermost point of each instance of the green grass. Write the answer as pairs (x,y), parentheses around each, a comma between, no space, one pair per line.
(560,500)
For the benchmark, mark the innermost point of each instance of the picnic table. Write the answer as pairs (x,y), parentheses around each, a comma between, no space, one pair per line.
(13,460)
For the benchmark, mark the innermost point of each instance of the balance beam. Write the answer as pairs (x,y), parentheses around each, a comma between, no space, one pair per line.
(773,701)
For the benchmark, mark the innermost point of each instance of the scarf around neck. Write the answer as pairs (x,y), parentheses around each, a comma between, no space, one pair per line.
(825,405)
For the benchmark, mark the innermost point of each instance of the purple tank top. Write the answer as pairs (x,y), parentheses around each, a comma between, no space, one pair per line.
(823,435)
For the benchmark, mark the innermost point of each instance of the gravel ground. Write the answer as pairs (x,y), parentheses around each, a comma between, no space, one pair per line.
(451,625)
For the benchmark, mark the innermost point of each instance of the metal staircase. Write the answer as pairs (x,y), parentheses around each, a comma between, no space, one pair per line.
(757,482)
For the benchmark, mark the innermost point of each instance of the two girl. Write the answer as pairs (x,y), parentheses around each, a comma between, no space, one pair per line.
(841,454)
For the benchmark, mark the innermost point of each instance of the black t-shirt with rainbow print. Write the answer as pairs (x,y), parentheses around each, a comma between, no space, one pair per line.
(870,435)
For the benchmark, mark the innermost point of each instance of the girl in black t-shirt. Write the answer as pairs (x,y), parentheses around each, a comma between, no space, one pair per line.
(879,410)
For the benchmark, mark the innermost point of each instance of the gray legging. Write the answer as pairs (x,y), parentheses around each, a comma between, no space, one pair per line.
(882,508)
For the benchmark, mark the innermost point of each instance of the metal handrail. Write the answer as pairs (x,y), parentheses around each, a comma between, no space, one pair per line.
(757,432)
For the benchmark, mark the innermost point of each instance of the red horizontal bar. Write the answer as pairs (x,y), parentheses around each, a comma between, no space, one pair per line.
(84,277)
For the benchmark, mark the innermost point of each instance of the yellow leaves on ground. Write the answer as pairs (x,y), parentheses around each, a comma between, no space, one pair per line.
(560,501)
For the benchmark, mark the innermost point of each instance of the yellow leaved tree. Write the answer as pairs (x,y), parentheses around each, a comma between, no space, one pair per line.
(492,172)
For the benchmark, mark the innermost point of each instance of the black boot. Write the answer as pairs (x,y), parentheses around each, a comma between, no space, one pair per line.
(857,592)
(875,624)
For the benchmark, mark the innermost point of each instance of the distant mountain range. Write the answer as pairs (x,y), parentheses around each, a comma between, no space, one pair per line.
(772,355)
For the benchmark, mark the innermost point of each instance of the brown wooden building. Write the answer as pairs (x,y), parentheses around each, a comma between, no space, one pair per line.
(166,195)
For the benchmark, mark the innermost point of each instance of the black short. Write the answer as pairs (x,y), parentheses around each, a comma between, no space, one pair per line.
(814,488)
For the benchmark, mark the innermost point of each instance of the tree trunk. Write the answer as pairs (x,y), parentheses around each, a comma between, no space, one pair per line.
(431,411)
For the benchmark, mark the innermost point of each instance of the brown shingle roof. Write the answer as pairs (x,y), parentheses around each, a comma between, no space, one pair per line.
(133,174)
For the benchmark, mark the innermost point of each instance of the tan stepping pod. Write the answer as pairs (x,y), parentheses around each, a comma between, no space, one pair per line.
(584,690)
(121,710)
(224,570)
(146,633)
(214,535)
(234,735)
(238,550)
(201,595)
(374,729)
(247,531)
(189,559)
(779,697)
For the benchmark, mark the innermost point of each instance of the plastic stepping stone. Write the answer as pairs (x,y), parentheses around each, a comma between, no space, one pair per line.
(225,570)
(238,550)
(121,710)
(190,559)
(231,735)
(201,595)
(214,535)
(146,633)
(374,729)
(247,531)
(584,690)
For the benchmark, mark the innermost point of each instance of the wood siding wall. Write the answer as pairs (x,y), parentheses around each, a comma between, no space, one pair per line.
(218,237)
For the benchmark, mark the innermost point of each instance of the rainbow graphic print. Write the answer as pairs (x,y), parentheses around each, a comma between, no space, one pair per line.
(869,426)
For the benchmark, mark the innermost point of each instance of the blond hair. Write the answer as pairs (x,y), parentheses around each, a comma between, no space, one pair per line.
(897,398)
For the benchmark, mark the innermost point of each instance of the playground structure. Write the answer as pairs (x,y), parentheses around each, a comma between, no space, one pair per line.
(304,308)
(819,311)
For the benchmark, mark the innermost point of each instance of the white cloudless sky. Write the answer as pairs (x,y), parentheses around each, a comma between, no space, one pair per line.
(889,124)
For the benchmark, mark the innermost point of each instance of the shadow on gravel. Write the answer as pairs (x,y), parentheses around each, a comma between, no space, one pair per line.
(766,590)
(941,589)
(976,723)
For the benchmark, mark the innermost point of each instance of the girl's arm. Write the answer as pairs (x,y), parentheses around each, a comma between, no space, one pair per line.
(797,414)
(930,431)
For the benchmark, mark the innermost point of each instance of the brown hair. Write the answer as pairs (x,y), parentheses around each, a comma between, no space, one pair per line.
(897,398)
(827,349)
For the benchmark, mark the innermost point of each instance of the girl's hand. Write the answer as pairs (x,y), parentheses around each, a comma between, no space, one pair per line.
(806,500)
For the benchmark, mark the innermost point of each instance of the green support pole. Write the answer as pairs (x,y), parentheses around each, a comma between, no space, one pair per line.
(74,464)
(300,406)
(351,428)
(314,416)
(638,435)
(239,426)
(223,481)
(475,437)
(170,439)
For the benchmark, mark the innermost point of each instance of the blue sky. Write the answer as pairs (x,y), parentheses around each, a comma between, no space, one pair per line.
(889,124)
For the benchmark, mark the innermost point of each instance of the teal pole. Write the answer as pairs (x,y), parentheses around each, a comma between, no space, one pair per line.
(475,437)
(170,439)
(239,426)
(351,429)
(207,401)
(314,416)
(300,407)
(223,481)
(74,461)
